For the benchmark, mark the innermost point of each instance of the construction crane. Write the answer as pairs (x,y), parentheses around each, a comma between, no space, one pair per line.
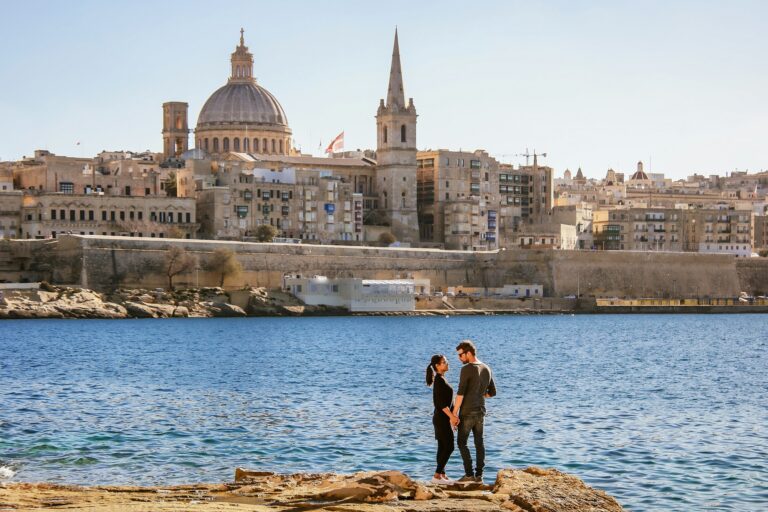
(528,155)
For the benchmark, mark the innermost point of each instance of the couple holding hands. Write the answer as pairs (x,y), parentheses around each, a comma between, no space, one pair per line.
(466,414)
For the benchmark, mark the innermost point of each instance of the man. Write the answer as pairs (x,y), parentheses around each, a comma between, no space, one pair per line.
(475,385)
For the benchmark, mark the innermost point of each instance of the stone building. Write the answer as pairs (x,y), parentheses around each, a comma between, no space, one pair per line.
(243,153)
(116,193)
(243,116)
(396,156)
(46,215)
(706,230)
(468,200)
(298,198)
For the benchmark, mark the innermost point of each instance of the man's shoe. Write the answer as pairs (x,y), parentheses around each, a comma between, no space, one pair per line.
(466,479)
(479,478)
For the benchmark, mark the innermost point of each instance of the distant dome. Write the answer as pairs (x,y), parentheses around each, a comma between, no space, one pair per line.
(242,103)
(639,175)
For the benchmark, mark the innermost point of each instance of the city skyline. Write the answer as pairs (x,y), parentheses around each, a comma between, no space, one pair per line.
(596,85)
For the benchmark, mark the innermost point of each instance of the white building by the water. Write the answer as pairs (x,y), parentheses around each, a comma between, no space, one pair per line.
(354,294)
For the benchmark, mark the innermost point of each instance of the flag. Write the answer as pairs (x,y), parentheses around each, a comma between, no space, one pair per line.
(336,144)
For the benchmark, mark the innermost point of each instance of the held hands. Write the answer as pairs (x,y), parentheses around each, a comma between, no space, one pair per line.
(455,421)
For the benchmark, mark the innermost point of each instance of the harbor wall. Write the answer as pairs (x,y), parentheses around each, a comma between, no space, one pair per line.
(106,262)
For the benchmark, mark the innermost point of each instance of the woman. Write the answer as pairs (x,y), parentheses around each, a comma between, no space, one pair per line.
(442,397)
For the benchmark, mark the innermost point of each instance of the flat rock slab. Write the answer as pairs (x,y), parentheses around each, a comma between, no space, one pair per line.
(517,490)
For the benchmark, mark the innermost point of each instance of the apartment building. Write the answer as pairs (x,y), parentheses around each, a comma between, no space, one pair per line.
(707,230)
(298,198)
(468,200)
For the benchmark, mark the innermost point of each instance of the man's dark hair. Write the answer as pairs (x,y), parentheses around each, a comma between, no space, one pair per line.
(467,346)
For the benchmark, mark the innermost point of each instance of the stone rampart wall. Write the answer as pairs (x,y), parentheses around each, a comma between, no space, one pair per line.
(105,262)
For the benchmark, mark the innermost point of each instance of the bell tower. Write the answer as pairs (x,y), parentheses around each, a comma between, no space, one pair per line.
(175,129)
(396,156)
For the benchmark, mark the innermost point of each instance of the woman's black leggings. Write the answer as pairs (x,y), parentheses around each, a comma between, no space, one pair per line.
(445,444)
(444,451)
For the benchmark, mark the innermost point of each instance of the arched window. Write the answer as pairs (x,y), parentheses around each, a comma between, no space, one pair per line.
(385,199)
(206,144)
(215,144)
(236,144)
(403,200)
(273,146)
(255,145)
(178,122)
(281,147)
(385,134)
(402,133)
(225,144)
(264,146)
(245,145)
(199,143)
(237,71)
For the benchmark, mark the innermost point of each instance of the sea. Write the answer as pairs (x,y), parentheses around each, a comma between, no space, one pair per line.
(664,412)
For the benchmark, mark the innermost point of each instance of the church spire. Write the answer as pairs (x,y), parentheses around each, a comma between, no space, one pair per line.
(395,94)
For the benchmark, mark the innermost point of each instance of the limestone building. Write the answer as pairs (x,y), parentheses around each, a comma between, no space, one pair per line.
(242,116)
(116,193)
(244,153)
(396,156)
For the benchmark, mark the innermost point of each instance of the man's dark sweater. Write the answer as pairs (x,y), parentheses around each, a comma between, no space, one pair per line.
(475,381)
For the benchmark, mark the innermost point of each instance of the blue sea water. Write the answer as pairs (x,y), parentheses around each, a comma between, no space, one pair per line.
(664,412)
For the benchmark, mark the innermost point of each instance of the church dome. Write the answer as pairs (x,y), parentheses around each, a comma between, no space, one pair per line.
(242,102)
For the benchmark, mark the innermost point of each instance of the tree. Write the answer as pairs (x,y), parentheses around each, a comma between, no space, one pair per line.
(170,185)
(265,233)
(387,238)
(225,263)
(763,253)
(177,261)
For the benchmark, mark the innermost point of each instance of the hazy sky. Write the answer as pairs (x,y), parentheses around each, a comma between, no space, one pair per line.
(593,84)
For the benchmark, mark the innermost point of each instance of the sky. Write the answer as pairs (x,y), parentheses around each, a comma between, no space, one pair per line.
(596,85)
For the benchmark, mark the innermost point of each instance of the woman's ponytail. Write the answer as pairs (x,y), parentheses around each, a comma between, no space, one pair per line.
(432,368)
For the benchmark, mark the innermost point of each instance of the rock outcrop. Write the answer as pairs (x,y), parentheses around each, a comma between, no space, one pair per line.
(518,490)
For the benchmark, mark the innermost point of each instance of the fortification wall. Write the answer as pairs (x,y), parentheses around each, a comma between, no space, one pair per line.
(105,262)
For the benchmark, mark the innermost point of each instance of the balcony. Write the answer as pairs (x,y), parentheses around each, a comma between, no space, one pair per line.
(659,230)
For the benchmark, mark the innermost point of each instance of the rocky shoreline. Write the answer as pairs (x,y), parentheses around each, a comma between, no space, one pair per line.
(517,490)
(68,302)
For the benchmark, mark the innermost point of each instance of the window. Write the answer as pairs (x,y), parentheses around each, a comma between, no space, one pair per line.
(225,144)
(263,145)
(402,133)
(72,215)
(53,214)
(130,215)
(241,211)
(112,216)
(255,145)
(236,143)
(281,147)
(245,145)
(189,218)
(127,190)
(273,146)
(206,144)
(385,134)
(215,144)
(90,215)
(141,215)
(122,215)
(103,215)
(67,187)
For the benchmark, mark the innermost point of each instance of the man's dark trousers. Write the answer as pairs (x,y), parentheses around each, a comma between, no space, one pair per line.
(472,422)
